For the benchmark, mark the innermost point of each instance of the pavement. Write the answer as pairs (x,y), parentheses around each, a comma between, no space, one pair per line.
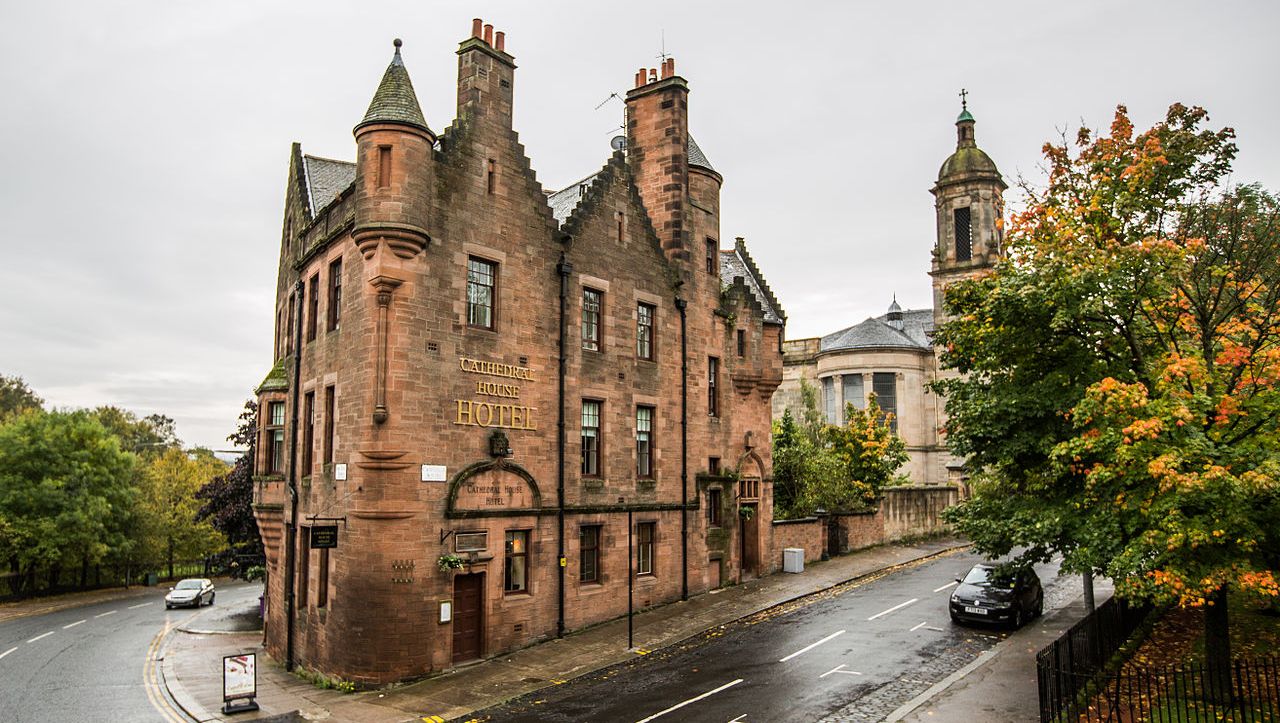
(999,685)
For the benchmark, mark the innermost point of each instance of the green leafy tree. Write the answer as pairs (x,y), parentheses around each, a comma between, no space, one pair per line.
(169,506)
(835,468)
(869,453)
(16,396)
(66,492)
(149,436)
(1120,367)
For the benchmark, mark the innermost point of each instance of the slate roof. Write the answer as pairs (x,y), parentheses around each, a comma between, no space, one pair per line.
(395,101)
(697,157)
(734,264)
(326,178)
(877,333)
(564,201)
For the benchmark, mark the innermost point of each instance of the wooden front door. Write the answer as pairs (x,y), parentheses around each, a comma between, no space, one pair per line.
(750,540)
(468,616)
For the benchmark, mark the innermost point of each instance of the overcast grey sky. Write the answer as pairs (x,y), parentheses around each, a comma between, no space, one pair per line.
(145,145)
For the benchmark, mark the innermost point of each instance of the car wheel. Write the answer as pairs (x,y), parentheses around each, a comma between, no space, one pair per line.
(1019,618)
(167,606)
(1040,605)
(211,596)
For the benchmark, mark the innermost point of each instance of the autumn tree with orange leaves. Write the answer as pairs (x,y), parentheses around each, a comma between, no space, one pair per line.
(1119,400)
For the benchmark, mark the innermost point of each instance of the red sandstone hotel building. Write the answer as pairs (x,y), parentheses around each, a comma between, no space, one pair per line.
(476,381)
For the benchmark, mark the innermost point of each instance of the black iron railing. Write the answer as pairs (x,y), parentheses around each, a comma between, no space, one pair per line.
(1070,663)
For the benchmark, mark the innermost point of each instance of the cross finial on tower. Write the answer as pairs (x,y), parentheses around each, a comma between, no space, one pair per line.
(964,99)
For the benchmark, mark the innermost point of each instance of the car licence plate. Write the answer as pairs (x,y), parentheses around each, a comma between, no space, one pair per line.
(975,611)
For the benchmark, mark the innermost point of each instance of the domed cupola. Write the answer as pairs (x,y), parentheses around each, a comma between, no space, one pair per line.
(894,317)
(969,162)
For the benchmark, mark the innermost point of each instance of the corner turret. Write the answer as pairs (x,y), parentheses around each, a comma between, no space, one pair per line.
(394,169)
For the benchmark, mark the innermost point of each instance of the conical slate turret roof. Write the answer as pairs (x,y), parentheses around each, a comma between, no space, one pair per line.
(395,101)
(697,157)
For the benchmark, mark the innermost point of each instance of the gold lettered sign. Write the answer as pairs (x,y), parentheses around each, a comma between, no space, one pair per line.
(494,490)
(499,403)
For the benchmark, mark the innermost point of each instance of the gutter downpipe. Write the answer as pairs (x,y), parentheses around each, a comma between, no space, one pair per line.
(681,304)
(563,268)
(291,537)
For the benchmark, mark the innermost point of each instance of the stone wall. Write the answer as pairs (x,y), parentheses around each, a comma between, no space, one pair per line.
(809,533)
(915,510)
(903,512)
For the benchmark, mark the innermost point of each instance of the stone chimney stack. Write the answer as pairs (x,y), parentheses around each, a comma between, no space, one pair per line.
(486,76)
(658,151)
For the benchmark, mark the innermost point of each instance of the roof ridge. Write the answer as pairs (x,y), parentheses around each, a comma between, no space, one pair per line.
(331,160)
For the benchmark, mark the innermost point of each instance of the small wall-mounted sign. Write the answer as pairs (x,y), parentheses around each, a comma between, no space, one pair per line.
(446,611)
(340,472)
(434,473)
(324,537)
(239,683)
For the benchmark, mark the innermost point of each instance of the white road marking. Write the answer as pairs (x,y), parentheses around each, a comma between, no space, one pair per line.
(807,648)
(944,587)
(40,636)
(930,627)
(921,625)
(882,613)
(695,699)
(72,625)
(10,650)
(134,607)
(837,669)
(109,612)
(744,715)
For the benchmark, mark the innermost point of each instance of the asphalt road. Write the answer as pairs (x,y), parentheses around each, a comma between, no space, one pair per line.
(96,662)
(856,652)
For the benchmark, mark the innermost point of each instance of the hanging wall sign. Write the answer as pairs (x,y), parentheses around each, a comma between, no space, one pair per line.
(324,537)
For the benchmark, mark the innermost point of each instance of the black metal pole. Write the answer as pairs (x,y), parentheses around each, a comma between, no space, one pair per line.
(564,268)
(681,304)
(291,536)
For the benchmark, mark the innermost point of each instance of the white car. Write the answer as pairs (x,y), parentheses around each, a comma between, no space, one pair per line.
(192,592)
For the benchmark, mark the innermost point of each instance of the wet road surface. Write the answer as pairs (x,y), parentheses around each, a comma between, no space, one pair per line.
(852,653)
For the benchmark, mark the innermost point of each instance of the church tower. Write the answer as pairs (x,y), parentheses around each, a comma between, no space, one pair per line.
(969,198)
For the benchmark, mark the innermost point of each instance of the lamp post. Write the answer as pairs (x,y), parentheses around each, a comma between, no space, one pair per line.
(630,579)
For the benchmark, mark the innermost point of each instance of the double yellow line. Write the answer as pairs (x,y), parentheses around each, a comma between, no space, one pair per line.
(151,679)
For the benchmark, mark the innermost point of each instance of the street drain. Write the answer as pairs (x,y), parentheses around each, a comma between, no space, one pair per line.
(533,680)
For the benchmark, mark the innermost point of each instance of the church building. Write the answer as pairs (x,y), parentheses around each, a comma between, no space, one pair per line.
(892,355)
(493,406)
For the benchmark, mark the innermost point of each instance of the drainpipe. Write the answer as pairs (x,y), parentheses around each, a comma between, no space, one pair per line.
(291,536)
(563,268)
(681,304)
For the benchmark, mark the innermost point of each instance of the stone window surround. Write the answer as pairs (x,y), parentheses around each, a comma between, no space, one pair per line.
(500,291)
(643,297)
(837,378)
